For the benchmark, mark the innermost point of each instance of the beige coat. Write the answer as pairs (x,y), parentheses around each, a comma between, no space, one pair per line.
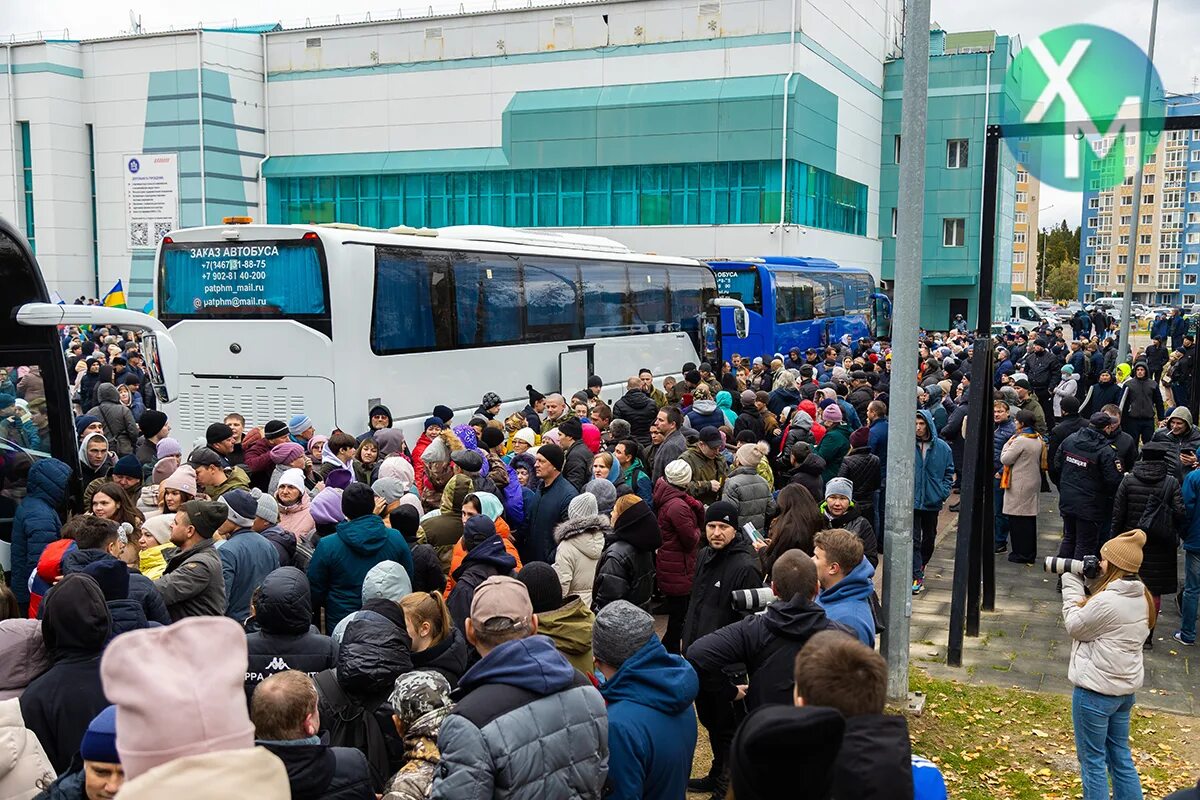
(1106,635)
(1024,455)
(580,543)
(23,762)
(220,775)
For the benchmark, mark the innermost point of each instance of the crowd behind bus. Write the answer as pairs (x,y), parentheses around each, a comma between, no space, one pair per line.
(273,611)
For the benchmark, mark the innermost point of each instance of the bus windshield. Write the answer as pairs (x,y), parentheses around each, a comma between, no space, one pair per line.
(740,284)
(260,279)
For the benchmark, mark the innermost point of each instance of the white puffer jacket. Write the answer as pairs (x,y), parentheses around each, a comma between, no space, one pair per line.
(1107,635)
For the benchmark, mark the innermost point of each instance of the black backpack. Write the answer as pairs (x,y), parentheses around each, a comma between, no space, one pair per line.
(1155,520)
(351,724)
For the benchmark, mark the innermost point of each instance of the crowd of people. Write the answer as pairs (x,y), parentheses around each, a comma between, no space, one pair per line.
(346,615)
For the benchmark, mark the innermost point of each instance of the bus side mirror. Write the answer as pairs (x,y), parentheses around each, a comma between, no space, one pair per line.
(741,323)
(162,360)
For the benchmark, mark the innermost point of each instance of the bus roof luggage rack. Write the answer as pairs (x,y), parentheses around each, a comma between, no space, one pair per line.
(343,226)
(563,241)
(410,231)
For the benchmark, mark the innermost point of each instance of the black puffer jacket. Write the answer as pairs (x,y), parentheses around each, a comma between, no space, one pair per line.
(285,638)
(808,475)
(767,644)
(854,521)
(719,572)
(141,588)
(427,569)
(639,410)
(577,465)
(1149,478)
(1086,464)
(750,420)
(863,469)
(450,657)
(320,772)
(625,570)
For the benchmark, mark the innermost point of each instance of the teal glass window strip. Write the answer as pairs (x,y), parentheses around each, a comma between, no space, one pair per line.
(739,192)
(95,228)
(27,176)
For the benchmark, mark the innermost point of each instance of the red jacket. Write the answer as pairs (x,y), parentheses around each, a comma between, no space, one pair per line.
(417,463)
(256,460)
(680,519)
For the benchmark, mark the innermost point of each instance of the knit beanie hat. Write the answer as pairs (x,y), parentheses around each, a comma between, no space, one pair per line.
(571,427)
(339,478)
(842,486)
(806,739)
(128,466)
(217,432)
(444,413)
(268,508)
(206,515)
(604,492)
(1125,551)
(286,453)
(582,505)
(390,489)
(357,500)
(168,447)
(620,630)
(326,508)
(477,529)
(299,424)
(243,506)
(201,709)
(861,437)
(747,398)
(292,477)
(151,422)
(183,479)
(832,413)
(748,455)
(82,422)
(406,519)
(722,511)
(678,473)
(492,437)
(526,435)
(534,395)
(274,429)
(100,739)
(552,453)
(431,422)
(545,589)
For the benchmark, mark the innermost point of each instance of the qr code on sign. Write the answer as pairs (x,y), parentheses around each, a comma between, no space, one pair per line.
(139,234)
(161,229)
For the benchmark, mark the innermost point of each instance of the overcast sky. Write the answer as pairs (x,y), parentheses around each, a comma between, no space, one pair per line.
(1177,55)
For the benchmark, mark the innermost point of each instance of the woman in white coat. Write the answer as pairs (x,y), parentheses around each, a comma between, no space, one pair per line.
(1107,628)
(1067,387)
(580,542)
(1023,458)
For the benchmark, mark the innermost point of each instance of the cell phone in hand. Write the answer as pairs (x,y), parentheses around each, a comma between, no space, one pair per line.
(753,533)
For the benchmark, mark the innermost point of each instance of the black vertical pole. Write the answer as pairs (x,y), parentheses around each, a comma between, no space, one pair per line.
(977,472)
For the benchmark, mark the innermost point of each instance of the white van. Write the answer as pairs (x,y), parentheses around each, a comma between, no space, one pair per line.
(1025,313)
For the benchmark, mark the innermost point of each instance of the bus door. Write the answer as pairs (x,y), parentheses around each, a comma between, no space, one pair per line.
(881,315)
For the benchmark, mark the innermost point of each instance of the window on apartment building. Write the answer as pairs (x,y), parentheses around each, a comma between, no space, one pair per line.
(1194,177)
(1193,238)
(1194,197)
(1153,159)
(954,232)
(1128,181)
(1123,259)
(896,149)
(956,154)
(1022,197)
(1126,219)
(1019,257)
(1019,278)
(1189,279)
(1123,238)
(1148,199)
(1093,222)
(1191,259)
(1090,261)
(1094,202)
(1126,200)
(1195,156)
(1189,299)
(1143,280)
(1091,241)
(895,220)
(1147,219)
(1120,277)
(1019,238)
(1143,259)
(1148,180)
(1022,176)
(1087,280)
(1020,218)
(1145,238)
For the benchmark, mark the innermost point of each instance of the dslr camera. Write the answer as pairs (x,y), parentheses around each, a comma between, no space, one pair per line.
(752,600)
(1087,567)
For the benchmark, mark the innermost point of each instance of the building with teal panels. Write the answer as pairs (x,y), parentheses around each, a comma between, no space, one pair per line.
(723,128)
(967,85)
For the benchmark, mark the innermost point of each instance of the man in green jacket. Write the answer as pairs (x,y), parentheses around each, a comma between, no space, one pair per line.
(708,466)
(212,475)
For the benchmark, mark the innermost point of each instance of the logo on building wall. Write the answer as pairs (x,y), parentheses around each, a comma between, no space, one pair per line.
(134,165)
(1087,84)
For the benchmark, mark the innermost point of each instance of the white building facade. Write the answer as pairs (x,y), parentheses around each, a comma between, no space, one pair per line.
(723,128)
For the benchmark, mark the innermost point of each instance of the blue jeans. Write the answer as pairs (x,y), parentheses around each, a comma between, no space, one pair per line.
(1102,745)
(1191,595)
(999,521)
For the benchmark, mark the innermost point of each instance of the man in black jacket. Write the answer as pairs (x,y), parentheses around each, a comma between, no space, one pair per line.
(1087,467)
(638,409)
(1042,367)
(286,722)
(281,636)
(766,644)
(1071,422)
(577,462)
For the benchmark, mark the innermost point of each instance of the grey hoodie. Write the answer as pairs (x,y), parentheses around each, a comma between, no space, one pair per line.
(22,655)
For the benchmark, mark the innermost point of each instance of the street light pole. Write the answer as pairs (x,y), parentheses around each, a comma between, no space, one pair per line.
(1039,286)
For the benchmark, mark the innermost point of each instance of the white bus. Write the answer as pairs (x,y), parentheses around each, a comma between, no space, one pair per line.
(329,320)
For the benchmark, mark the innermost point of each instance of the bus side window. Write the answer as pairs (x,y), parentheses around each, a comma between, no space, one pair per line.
(551,301)
(403,315)
(648,297)
(785,296)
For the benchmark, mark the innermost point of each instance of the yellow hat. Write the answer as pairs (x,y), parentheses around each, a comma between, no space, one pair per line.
(1125,551)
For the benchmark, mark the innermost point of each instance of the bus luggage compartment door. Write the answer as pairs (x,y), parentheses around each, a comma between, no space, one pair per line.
(205,399)
(574,368)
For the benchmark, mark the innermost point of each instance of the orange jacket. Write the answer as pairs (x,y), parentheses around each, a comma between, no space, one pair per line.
(460,552)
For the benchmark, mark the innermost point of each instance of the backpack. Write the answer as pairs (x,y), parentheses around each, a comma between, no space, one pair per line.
(1156,520)
(350,724)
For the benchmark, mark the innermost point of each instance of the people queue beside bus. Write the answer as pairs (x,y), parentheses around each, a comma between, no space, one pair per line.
(411,603)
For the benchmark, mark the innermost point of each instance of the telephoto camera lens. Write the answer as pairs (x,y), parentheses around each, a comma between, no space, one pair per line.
(1087,567)
(752,600)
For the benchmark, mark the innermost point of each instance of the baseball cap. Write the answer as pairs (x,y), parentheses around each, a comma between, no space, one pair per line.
(204,457)
(501,604)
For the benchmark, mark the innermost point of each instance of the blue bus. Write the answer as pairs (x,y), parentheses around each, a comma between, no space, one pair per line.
(800,302)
